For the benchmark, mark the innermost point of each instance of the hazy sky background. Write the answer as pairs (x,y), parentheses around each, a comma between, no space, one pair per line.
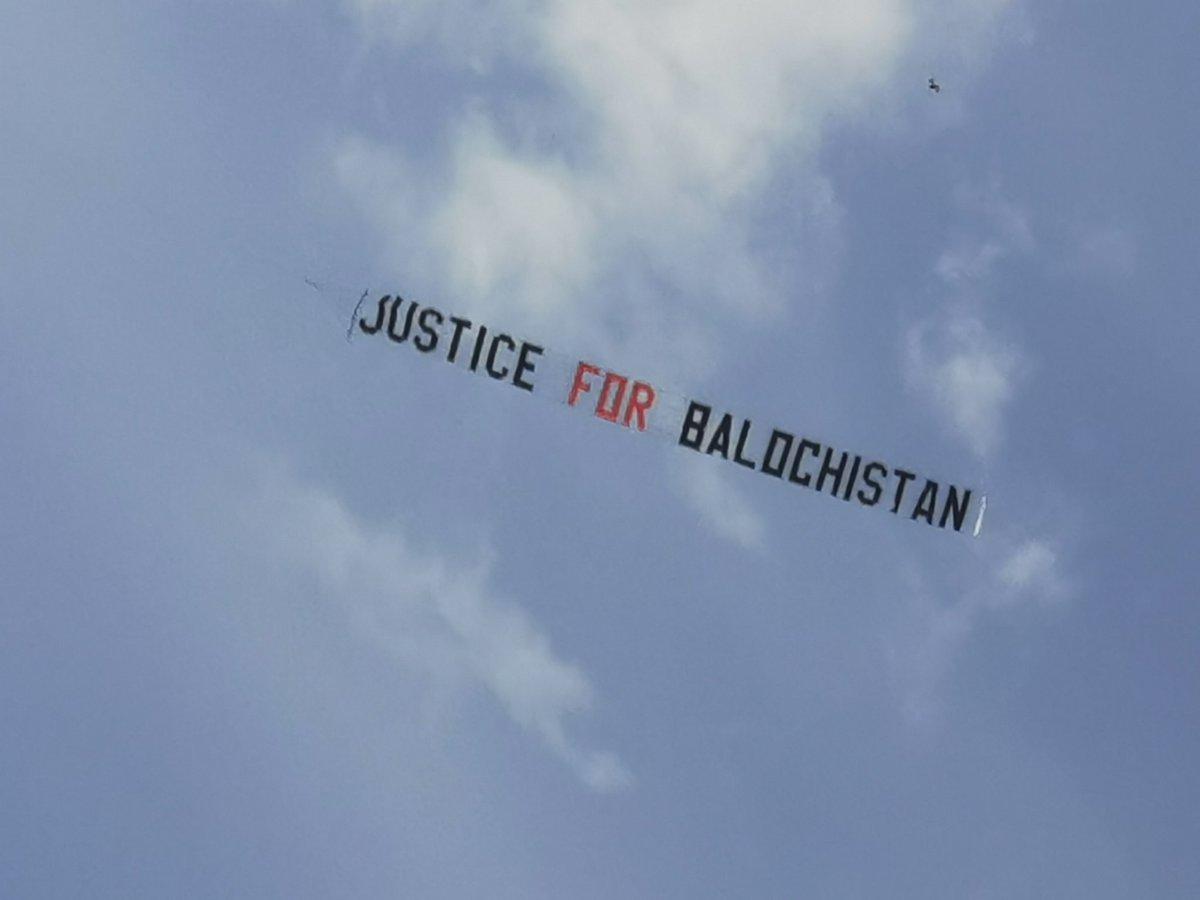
(282,615)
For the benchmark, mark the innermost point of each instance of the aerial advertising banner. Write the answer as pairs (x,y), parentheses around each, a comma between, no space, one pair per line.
(789,456)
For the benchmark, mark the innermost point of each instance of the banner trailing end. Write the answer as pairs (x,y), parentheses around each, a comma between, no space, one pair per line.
(979,518)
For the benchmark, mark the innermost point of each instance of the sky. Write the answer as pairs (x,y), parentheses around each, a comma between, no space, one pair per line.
(286,615)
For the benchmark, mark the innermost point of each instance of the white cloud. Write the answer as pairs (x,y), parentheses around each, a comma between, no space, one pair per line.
(514,227)
(1007,232)
(679,115)
(969,373)
(721,506)
(1023,575)
(966,373)
(953,359)
(1030,571)
(439,616)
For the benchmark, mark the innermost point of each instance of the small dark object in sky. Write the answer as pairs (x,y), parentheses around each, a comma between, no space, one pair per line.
(934,86)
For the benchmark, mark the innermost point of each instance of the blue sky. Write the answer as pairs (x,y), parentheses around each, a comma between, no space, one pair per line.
(284,615)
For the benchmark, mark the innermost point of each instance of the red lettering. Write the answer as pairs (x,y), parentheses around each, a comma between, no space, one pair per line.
(580,385)
(611,411)
(640,401)
(611,405)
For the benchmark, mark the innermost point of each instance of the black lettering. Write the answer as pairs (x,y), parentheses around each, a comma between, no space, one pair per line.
(478,346)
(905,478)
(876,487)
(827,470)
(371,329)
(459,325)
(954,508)
(741,442)
(926,502)
(720,438)
(524,365)
(491,357)
(804,480)
(695,421)
(428,313)
(400,338)
(853,478)
(777,437)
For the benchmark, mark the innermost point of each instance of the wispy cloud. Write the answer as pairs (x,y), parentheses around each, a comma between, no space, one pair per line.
(1032,568)
(966,372)
(438,615)
(671,119)
(999,229)
(1024,574)
(720,505)
(960,364)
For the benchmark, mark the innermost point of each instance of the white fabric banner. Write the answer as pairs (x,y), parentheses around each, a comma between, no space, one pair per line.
(625,401)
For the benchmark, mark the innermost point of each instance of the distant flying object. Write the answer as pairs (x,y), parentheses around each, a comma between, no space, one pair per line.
(934,86)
